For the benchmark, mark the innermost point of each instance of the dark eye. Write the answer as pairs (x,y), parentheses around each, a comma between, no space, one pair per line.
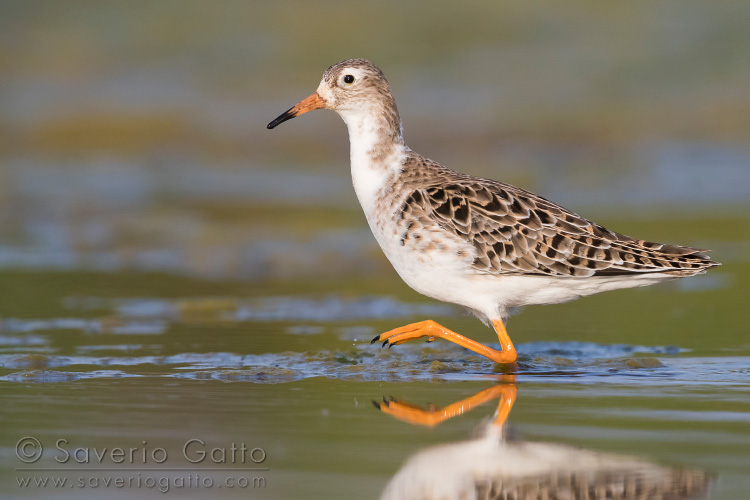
(348,79)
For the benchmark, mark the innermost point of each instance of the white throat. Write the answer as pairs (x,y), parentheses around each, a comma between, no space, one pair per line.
(376,153)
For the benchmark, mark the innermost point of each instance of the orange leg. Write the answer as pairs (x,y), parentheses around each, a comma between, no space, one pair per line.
(433,330)
(433,416)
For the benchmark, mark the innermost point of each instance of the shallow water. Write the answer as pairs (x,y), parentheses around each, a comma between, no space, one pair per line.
(654,402)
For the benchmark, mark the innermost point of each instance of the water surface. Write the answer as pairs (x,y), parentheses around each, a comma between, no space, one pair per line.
(294,375)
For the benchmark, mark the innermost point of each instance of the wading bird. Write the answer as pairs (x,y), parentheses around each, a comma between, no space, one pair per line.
(486,245)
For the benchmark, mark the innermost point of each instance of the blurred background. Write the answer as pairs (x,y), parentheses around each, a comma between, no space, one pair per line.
(133,134)
(171,269)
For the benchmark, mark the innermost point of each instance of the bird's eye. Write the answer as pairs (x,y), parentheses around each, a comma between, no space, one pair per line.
(348,78)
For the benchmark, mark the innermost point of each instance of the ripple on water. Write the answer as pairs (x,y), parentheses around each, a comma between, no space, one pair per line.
(273,308)
(119,326)
(407,363)
(592,350)
(148,316)
(50,376)
(334,309)
(22,340)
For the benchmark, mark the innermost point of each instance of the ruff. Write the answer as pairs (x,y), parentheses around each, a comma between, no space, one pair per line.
(486,245)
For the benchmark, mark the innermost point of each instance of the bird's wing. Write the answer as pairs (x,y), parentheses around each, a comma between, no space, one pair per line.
(514,231)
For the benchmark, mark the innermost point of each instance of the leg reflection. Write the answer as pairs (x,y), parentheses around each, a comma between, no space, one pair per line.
(431,416)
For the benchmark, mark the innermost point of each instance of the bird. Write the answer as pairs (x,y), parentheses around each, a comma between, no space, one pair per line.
(488,246)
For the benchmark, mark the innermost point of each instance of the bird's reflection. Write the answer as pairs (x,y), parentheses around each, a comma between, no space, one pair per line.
(495,466)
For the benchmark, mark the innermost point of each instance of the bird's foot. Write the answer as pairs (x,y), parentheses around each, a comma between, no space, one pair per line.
(409,332)
(433,330)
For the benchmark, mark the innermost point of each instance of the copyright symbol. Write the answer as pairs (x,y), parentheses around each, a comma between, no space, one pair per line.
(29,449)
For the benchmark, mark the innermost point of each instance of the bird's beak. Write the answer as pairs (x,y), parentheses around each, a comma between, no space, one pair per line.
(312,102)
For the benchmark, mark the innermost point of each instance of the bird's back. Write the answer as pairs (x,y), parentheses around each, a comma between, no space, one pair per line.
(512,231)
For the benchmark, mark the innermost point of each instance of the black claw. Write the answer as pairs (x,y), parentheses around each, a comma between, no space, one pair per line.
(376,404)
(390,345)
(375,339)
(384,343)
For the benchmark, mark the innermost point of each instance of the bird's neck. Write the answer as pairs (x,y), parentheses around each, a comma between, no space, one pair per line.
(377,150)
(374,133)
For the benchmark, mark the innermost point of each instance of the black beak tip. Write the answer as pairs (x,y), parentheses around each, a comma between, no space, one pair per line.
(286,115)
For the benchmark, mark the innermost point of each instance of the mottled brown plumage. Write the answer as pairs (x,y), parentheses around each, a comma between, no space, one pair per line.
(514,231)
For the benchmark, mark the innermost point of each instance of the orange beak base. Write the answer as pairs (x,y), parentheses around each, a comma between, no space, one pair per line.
(309,104)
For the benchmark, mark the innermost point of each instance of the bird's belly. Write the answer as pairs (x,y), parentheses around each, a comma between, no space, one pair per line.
(435,264)
(439,265)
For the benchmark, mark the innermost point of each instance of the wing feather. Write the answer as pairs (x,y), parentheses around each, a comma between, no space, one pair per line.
(514,231)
